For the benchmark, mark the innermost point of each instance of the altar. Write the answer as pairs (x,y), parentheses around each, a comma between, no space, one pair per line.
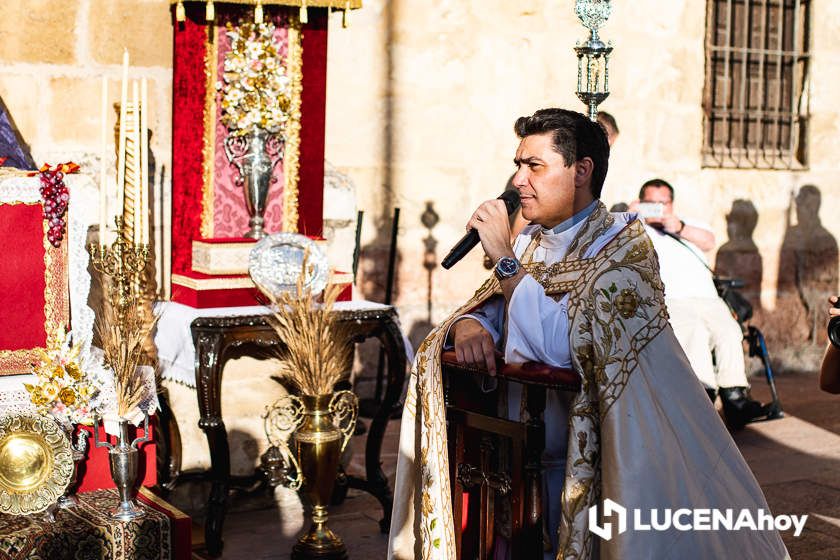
(90,249)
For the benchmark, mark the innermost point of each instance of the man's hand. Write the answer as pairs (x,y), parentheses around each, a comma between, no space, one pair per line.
(474,345)
(668,222)
(492,223)
(833,311)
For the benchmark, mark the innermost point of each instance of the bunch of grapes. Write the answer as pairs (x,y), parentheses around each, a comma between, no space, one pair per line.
(55,196)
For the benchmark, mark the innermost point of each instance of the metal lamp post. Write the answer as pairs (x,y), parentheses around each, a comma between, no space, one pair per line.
(593,55)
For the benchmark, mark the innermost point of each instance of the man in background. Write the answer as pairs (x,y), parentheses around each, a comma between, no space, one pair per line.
(610,126)
(702,322)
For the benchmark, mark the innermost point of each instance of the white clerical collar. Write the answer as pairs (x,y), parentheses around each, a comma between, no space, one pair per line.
(558,238)
(573,221)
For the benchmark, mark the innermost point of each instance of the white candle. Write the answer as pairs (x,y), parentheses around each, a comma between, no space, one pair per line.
(138,167)
(144,160)
(103,182)
(121,152)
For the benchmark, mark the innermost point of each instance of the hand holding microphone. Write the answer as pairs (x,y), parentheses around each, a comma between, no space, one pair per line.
(490,224)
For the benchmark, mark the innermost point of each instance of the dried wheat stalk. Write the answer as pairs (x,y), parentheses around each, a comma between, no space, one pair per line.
(122,342)
(317,343)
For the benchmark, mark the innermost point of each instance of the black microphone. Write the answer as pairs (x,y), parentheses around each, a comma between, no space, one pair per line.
(471,239)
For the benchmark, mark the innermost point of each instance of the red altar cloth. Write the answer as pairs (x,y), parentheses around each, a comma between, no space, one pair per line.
(34,293)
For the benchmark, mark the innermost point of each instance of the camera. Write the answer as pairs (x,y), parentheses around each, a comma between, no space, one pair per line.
(834,327)
(651,210)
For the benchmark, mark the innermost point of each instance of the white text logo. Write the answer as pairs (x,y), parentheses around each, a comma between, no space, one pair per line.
(685,519)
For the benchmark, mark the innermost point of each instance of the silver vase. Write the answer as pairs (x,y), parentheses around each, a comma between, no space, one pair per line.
(124,458)
(255,154)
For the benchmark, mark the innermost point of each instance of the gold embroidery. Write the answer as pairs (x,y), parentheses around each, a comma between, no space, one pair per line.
(615,308)
(614,314)
(291,155)
(209,160)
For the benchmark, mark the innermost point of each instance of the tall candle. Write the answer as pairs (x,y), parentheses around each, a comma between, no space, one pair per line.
(144,160)
(138,167)
(121,152)
(103,182)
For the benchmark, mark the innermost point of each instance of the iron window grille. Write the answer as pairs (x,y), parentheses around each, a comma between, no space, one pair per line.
(755,99)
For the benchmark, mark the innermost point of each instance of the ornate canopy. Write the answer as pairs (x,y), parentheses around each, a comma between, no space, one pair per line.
(337,4)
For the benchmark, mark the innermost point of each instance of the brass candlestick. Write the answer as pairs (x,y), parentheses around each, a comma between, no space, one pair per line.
(122,264)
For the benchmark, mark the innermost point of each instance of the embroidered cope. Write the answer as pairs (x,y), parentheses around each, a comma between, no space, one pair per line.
(641,432)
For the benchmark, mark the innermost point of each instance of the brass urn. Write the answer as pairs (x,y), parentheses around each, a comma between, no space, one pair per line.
(321,426)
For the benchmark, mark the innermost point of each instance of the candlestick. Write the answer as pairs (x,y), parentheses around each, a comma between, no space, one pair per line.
(121,152)
(103,194)
(138,167)
(144,160)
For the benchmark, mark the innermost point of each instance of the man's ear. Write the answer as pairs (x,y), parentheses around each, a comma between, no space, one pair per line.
(583,172)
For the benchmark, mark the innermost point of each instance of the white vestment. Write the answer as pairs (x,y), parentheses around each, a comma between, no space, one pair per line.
(545,340)
(645,434)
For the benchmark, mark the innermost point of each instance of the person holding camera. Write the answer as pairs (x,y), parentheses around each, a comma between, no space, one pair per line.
(702,322)
(830,367)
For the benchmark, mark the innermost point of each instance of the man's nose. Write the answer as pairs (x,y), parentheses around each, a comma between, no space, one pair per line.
(519,179)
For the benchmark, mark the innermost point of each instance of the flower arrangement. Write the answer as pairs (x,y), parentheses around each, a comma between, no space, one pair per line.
(256,92)
(318,348)
(66,385)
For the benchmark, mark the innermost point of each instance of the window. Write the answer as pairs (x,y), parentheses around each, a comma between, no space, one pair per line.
(755,102)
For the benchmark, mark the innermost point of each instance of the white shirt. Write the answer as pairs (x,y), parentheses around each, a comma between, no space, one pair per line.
(683,267)
(538,325)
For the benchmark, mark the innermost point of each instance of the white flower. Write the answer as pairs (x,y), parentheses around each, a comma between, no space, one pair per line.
(255,88)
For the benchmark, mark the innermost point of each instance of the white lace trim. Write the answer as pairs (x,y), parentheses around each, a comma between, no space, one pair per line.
(83,212)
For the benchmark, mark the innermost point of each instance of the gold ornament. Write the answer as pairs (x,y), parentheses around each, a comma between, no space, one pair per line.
(36,463)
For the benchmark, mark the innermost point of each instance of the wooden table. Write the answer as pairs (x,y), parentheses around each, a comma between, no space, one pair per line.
(217,339)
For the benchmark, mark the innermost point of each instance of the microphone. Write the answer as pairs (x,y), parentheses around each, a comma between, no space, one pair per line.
(471,239)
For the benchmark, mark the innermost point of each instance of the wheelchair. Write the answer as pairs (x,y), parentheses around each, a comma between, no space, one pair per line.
(742,310)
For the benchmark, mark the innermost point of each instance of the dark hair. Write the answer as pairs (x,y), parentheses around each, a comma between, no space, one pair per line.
(574,137)
(656,183)
(607,119)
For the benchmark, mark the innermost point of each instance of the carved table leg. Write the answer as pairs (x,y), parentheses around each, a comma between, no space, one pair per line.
(376,482)
(169,445)
(208,385)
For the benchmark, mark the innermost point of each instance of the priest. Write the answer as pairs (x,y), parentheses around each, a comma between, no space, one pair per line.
(579,288)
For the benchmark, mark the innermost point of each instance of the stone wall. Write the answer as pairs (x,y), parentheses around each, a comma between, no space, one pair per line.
(421,101)
(52,59)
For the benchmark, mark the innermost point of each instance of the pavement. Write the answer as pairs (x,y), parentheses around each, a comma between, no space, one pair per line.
(796,460)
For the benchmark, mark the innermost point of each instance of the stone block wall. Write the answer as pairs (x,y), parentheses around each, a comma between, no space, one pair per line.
(52,60)
(421,103)
(421,100)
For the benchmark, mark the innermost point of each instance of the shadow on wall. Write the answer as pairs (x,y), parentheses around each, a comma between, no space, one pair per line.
(422,327)
(739,257)
(807,275)
(807,272)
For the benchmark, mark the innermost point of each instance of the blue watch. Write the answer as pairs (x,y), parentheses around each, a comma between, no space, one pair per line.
(506,267)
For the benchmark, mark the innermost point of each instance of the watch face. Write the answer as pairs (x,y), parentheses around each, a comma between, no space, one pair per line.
(507,267)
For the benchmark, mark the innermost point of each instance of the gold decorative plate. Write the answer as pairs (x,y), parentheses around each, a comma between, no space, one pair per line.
(36,463)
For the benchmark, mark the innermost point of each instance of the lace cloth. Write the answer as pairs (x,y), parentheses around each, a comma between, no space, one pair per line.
(82,212)
(173,338)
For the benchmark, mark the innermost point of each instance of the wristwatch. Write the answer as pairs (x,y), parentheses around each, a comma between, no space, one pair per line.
(506,267)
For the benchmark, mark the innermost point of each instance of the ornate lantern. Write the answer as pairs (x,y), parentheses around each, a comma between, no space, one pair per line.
(593,55)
